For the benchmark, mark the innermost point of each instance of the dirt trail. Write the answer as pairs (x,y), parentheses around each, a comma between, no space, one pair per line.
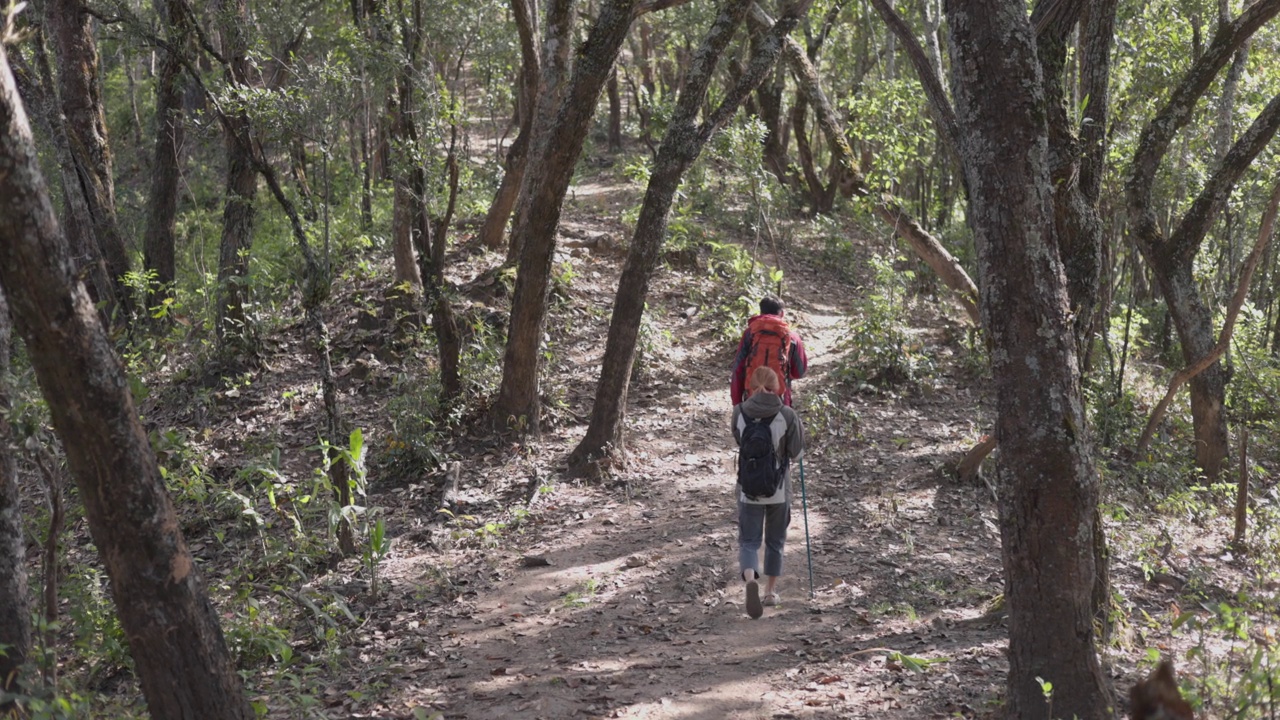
(639,613)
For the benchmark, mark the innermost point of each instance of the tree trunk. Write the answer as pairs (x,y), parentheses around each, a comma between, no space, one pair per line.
(819,200)
(1172,260)
(431,243)
(1049,488)
(407,201)
(644,59)
(403,212)
(547,94)
(926,247)
(86,125)
(37,87)
(1193,322)
(162,204)
(412,189)
(682,144)
(615,113)
(15,599)
(769,98)
(555,153)
(495,221)
(443,320)
(1220,348)
(173,632)
(1224,113)
(366,179)
(235,336)
(1077,224)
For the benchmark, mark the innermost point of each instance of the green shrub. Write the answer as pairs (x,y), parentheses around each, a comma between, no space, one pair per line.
(881,351)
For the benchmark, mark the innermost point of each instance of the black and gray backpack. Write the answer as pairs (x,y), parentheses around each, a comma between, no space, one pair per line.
(760,471)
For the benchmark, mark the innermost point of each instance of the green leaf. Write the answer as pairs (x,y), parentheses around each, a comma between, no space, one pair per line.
(357,443)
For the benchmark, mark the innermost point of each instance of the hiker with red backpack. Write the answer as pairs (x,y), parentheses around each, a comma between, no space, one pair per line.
(769,437)
(770,342)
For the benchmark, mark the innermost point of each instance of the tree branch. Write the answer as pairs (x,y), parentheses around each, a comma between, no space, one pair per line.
(1185,239)
(1228,324)
(649,6)
(1176,113)
(1097,37)
(761,62)
(929,80)
(201,36)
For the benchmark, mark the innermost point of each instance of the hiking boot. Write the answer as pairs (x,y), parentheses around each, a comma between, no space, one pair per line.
(754,608)
(772,599)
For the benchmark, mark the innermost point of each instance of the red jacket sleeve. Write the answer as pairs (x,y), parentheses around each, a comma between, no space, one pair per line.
(799,360)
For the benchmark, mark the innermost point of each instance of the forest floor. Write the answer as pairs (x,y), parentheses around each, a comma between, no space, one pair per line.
(620,599)
(540,596)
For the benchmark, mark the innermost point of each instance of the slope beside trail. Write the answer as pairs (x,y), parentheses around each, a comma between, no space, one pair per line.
(619,597)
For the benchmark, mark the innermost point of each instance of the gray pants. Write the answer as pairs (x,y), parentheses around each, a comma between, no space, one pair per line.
(762,522)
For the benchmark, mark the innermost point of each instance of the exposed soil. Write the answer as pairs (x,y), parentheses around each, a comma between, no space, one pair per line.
(545,597)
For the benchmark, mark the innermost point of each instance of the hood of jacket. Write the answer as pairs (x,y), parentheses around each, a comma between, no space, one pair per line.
(762,404)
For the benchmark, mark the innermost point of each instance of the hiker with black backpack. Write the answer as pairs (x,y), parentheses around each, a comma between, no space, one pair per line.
(768,341)
(769,437)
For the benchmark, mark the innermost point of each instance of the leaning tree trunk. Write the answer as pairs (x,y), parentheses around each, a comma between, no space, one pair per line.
(86,124)
(177,645)
(15,600)
(36,86)
(545,91)
(532,79)
(162,205)
(682,144)
(555,153)
(1049,487)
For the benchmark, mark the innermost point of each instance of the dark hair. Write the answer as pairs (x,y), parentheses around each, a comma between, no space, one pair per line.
(770,305)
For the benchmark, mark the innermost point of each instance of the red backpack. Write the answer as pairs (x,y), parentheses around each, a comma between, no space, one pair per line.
(770,338)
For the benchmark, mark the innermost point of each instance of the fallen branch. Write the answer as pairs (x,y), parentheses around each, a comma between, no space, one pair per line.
(967,468)
(301,600)
(449,493)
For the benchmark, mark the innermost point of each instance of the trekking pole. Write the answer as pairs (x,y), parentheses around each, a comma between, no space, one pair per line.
(804,504)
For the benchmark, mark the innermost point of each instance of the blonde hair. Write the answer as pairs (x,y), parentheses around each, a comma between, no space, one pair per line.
(764,378)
